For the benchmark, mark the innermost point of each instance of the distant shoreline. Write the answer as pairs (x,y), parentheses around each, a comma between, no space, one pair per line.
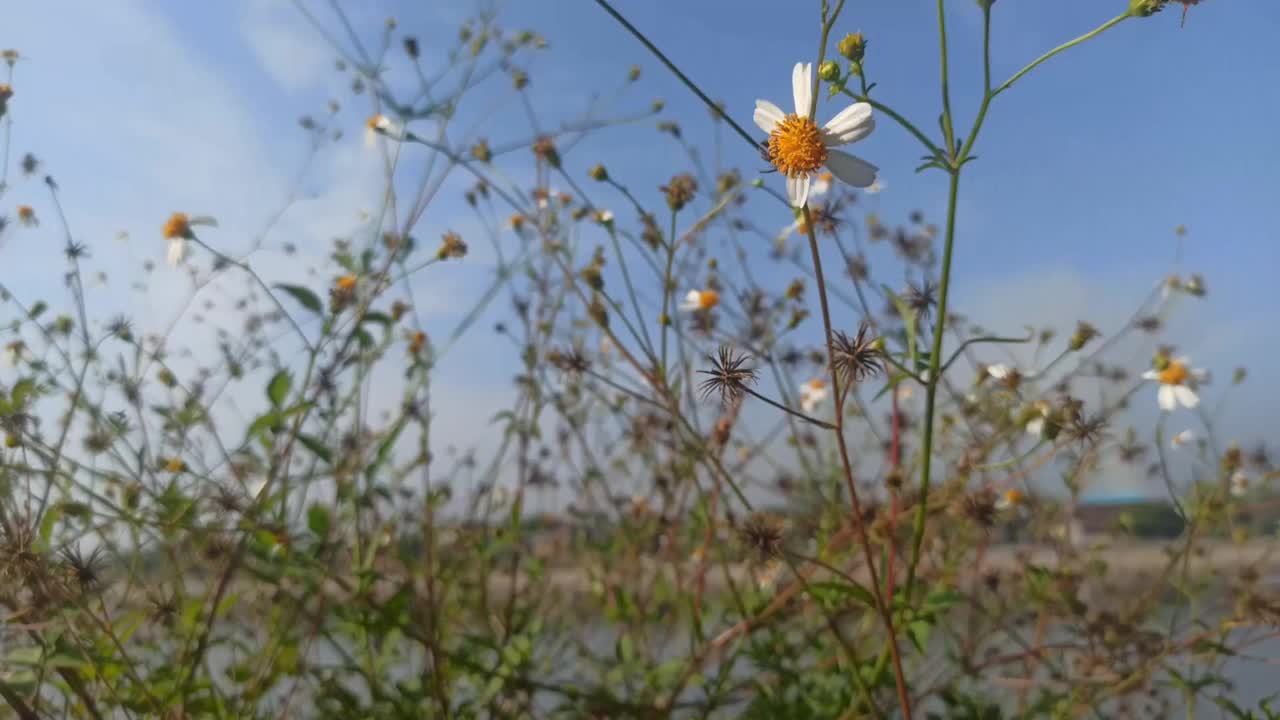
(1129,565)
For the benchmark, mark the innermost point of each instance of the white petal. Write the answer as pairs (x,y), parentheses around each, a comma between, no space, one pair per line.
(1165,398)
(854,171)
(1186,396)
(1151,375)
(877,186)
(1036,427)
(1182,438)
(849,125)
(798,190)
(998,371)
(802,87)
(767,115)
(177,249)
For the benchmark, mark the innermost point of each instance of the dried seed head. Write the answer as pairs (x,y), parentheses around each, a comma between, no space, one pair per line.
(729,375)
(859,357)
(763,535)
(84,570)
(680,191)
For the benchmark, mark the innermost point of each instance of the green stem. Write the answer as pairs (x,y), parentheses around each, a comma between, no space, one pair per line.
(683,78)
(1065,46)
(667,289)
(931,389)
(947,133)
(906,124)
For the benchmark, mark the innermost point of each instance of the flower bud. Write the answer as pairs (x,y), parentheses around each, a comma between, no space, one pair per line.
(853,47)
(1145,8)
(599,174)
(1083,334)
(829,71)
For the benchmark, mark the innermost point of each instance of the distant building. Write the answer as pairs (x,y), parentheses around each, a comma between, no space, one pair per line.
(1126,517)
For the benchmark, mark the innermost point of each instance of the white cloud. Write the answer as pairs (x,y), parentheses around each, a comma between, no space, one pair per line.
(286,46)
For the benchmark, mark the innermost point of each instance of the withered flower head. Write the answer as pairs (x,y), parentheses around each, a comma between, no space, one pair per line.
(572,360)
(729,376)
(859,357)
(763,535)
(980,507)
(545,149)
(84,570)
(680,191)
(451,246)
(922,298)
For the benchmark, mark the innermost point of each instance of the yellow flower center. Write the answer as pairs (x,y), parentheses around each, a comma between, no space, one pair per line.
(1175,374)
(347,283)
(25,212)
(795,147)
(375,121)
(1013,496)
(816,385)
(708,299)
(177,226)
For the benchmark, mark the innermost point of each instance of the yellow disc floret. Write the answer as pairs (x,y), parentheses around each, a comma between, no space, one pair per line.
(1175,374)
(795,147)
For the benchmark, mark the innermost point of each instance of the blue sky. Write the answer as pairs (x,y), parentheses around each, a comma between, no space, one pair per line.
(1085,167)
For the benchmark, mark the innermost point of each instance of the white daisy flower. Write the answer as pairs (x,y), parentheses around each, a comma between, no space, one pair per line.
(1177,384)
(1035,426)
(821,185)
(798,148)
(177,231)
(1010,498)
(12,353)
(380,125)
(812,394)
(1239,484)
(1182,439)
(700,300)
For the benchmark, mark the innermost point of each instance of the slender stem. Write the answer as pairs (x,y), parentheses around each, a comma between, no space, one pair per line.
(811,420)
(947,133)
(973,341)
(877,592)
(1065,46)
(896,117)
(931,389)
(665,319)
(675,70)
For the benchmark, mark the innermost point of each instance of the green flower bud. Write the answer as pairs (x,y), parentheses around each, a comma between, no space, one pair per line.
(1083,334)
(829,71)
(853,47)
(1146,8)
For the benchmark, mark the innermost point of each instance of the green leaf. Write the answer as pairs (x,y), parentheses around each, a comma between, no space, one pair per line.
(278,388)
(378,317)
(321,450)
(318,520)
(384,450)
(909,321)
(50,519)
(841,593)
(304,296)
